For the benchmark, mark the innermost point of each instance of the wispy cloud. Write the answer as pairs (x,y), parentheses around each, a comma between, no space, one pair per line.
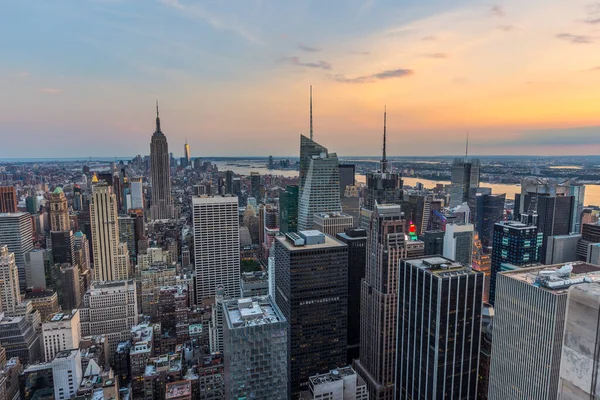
(296,61)
(360,53)
(23,74)
(51,90)
(389,74)
(366,6)
(593,21)
(435,55)
(497,11)
(199,13)
(310,49)
(506,28)
(595,68)
(575,38)
(593,12)
(429,39)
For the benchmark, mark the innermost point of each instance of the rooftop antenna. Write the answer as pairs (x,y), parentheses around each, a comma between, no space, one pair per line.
(311,119)
(384,162)
(157,118)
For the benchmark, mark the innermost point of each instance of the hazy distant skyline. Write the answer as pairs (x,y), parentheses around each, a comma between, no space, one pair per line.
(79,78)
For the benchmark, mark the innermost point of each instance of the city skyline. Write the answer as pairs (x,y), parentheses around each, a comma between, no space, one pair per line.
(518,77)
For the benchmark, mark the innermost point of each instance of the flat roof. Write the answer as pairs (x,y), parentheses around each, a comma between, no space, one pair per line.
(332,215)
(441,266)
(556,278)
(204,199)
(329,242)
(253,311)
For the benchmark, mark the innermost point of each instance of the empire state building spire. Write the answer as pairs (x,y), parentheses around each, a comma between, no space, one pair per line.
(384,161)
(157,119)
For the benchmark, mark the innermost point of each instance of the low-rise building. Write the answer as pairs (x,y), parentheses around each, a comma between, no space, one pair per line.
(338,384)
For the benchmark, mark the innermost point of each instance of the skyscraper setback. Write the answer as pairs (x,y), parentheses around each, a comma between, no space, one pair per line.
(162,203)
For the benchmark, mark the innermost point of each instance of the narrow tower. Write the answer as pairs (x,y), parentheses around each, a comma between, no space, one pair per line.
(384,162)
(162,203)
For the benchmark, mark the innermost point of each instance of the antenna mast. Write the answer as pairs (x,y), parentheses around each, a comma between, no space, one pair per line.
(311,117)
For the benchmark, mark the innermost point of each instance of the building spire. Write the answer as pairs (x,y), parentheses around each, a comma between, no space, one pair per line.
(157,118)
(384,161)
(311,119)
(467,148)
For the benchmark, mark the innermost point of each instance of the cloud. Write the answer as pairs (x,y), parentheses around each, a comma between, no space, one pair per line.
(198,13)
(24,74)
(569,136)
(497,11)
(296,61)
(435,55)
(389,74)
(595,68)
(506,28)
(429,39)
(575,38)
(366,6)
(360,53)
(51,90)
(592,21)
(310,49)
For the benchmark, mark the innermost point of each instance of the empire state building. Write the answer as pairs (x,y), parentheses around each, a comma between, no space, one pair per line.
(162,203)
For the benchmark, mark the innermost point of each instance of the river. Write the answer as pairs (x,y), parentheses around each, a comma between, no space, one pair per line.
(592,192)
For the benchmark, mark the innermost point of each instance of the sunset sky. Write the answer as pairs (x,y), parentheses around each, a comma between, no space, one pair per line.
(80,78)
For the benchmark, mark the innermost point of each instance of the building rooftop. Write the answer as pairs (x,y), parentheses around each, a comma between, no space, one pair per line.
(243,313)
(66,354)
(13,215)
(515,224)
(557,278)
(178,389)
(60,316)
(333,215)
(441,266)
(327,243)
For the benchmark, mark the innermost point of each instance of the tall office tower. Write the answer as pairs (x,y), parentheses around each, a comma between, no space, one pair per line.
(562,249)
(386,246)
(356,240)
(465,175)
(110,309)
(438,338)
(321,191)
(10,294)
(236,187)
(554,218)
(590,237)
(16,232)
(418,210)
(529,325)
(216,245)
(61,331)
(311,285)
(137,194)
(578,193)
(8,199)
(486,209)
(162,202)
(69,295)
(186,153)
(127,233)
(63,246)
(67,373)
(347,172)
(82,250)
(33,205)
(59,211)
(308,150)
(255,349)
(434,242)
(229,182)
(288,209)
(332,223)
(37,262)
(383,186)
(255,185)
(458,243)
(340,383)
(108,251)
(516,245)
(580,359)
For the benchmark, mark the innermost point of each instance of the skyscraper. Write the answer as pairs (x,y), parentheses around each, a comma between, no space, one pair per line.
(59,211)
(162,202)
(486,209)
(255,185)
(529,327)
(308,149)
(8,199)
(110,259)
(186,153)
(16,232)
(515,245)
(321,190)
(458,243)
(386,246)
(438,335)
(383,186)
(255,349)
(137,194)
(288,209)
(347,172)
(10,293)
(216,245)
(356,240)
(465,175)
(312,293)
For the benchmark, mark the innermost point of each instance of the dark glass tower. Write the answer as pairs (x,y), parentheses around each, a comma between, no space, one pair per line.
(162,203)
(308,149)
(288,209)
(486,210)
(465,176)
(347,172)
(439,323)
(356,240)
(515,245)
(311,289)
